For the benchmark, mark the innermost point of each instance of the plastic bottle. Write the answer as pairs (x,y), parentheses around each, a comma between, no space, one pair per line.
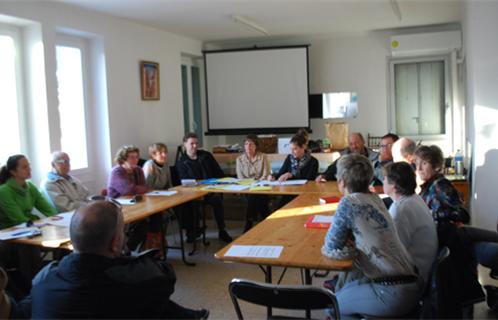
(459,163)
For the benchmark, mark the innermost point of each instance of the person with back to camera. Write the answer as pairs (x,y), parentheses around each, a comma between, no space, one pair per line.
(300,164)
(64,191)
(412,218)
(200,164)
(362,230)
(253,164)
(467,244)
(96,281)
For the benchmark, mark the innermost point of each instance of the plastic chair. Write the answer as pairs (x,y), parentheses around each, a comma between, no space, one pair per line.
(283,297)
(431,304)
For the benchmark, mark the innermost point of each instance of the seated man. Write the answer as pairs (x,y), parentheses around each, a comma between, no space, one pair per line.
(385,156)
(95,281)
(404,150)
(356,144)
(65,192)
(199,164)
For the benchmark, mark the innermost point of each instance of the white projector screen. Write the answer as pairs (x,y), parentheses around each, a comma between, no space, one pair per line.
(257,90)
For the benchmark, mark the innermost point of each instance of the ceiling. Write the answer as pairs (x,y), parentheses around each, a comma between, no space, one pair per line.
(212,20)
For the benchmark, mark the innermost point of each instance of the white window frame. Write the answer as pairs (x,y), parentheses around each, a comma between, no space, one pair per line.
(448,110)
(15,33)
(84,174)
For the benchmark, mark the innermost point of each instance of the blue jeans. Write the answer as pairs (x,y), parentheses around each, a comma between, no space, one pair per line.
(485,245)
(366,298)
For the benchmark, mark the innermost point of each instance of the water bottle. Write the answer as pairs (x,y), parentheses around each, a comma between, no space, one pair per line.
(459,163)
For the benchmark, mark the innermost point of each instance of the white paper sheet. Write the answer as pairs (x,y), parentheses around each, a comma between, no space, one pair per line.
(323,219)
(283,183)
(383,195)
(161,193)
(236,187)
(126,202)
(19,233)
(272,252)
(61,220)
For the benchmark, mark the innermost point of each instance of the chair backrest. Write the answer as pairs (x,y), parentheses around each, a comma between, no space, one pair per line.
(283,297)
(433,297)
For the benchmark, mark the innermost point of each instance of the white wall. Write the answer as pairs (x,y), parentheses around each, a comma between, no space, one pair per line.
(481,46)
(131,120)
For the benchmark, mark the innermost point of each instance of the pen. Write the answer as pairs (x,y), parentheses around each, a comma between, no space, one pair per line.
(20,233)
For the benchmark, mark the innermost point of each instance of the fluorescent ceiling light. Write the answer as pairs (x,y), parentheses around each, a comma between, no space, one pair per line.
(250,23)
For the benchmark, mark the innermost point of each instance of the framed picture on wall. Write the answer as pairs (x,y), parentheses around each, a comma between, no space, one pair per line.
(149,76)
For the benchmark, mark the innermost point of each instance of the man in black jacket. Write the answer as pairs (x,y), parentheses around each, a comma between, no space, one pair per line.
(199,164)
(95,281)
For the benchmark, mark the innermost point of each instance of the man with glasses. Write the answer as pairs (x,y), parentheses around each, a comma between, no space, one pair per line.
(65,192)
(385,156)
(95,281)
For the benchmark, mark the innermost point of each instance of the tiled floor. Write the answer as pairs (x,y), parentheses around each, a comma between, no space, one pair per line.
(206,284)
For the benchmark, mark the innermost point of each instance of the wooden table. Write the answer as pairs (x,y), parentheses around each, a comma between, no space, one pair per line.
(285,227)
(329,188)
(55,236)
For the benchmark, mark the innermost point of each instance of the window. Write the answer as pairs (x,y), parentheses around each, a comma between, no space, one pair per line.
(9,98)
(418,93)
(71,95)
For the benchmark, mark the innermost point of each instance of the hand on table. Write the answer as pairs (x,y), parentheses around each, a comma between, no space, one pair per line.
(285,177)
(320,178)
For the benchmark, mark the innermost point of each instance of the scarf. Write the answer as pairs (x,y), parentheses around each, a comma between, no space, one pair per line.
(297,165)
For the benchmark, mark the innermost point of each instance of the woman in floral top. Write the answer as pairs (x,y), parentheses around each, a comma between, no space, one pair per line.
(448,210)
(387,282)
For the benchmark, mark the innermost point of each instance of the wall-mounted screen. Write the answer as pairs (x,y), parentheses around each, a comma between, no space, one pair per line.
(262,90)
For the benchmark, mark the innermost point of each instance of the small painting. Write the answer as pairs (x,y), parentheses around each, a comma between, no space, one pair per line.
(149,76)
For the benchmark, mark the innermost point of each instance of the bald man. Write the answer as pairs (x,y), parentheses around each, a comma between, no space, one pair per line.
(403,150)
(95,281)
(65,192)
(356,144)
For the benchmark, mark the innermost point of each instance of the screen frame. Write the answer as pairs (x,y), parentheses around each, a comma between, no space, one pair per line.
(266,130)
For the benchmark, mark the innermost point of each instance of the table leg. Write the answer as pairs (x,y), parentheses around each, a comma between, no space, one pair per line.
(308,281)
(268,280)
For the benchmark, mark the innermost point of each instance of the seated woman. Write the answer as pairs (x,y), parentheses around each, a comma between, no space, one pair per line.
(65,191)
(386,285)
(300,164)
(18,196)
(126,178)
(450,216)
(411,217)
(157,177)
(253,164)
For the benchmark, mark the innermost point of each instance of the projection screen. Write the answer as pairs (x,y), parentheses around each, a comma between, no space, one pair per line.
(257,90)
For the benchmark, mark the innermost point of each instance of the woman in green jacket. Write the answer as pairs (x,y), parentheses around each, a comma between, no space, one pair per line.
(18,196)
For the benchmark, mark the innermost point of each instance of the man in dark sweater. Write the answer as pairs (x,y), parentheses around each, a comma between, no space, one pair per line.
(95,281)
(199,164)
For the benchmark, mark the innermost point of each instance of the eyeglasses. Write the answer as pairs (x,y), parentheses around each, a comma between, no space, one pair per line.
(383,146)
(63,161)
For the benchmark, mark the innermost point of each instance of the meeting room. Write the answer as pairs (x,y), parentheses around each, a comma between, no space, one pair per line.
(248,159)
